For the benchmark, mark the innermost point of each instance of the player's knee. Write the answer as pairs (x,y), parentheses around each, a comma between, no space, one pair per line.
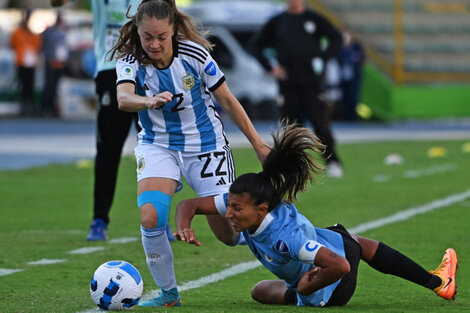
(148,216)
(154,207)
(264,292)
(256,292)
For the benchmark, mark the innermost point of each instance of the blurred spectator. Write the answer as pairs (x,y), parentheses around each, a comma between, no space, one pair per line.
(290,47)
(351,58)
(113,125)
(55,56)
(26,46)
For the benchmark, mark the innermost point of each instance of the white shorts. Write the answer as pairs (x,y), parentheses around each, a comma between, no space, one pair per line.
(208,173)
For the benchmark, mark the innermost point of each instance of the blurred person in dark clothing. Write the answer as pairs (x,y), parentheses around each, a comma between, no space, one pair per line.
(291,46)
(113,125)
(56,53)
(351,58)
(26,46)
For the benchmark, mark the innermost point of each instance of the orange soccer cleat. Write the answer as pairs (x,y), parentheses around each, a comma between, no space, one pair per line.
(446,271)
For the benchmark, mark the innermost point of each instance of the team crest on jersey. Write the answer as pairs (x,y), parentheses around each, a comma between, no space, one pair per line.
(188,81)
(127,72)
(140,164)
(281,246)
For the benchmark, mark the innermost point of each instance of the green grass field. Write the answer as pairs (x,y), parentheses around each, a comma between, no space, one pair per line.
(45,214)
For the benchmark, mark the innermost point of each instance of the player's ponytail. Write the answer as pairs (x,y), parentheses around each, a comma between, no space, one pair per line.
(287,168)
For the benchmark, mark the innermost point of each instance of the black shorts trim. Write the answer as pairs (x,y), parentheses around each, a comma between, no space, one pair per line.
(353,251)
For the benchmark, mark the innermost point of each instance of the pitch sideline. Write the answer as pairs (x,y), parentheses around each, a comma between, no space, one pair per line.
(246,266)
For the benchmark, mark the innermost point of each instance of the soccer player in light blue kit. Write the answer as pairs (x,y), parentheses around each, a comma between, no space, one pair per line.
(166,74)
(315,266)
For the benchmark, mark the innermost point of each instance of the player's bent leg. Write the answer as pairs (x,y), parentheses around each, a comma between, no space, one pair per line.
(368,246)
(154,207)
(272,292)
(390,261)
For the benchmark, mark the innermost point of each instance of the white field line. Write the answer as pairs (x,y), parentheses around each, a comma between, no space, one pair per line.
(86,250)
(8,271)
(407,214)
(124,240)
(438,169)
(246,266)
(411,174)
(47,261)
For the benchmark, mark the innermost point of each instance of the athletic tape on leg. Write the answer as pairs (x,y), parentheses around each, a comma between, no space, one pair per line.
(160,201)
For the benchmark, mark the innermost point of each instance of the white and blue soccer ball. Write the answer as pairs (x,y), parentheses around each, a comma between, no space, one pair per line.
(116,285)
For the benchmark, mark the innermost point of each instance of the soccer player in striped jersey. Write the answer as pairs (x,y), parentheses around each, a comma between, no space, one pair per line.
(315,266)
(166,74)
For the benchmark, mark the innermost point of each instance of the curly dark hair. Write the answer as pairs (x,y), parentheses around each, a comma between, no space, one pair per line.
(287,168)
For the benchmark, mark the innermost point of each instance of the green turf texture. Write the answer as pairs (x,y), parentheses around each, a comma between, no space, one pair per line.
(45,213)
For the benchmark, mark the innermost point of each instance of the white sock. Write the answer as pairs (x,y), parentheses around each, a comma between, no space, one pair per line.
(159,257)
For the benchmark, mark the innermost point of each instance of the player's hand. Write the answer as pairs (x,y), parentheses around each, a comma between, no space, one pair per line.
(159,100)
(312,273)
(187,235)
(262,152)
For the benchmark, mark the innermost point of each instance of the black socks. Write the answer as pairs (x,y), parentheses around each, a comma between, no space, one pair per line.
(390,261)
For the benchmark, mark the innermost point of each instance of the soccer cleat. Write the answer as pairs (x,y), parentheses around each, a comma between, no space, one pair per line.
(446,271)
(98,230)
(334,169)
(165,298)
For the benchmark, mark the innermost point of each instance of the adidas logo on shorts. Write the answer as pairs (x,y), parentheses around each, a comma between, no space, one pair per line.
(221,182)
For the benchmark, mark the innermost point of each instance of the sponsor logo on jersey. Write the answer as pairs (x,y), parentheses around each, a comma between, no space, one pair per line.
(140,164)
(281,246)
(188,81)
(127,72)
(210,69)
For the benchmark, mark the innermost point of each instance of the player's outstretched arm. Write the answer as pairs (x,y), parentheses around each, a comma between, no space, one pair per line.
(185,211)
(129,101)
(238,115)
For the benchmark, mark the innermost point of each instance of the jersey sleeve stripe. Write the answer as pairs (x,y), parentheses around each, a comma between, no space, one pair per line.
(217,85)
(125,81)
(203,57)
(129,59)
(191,55)
(187,46)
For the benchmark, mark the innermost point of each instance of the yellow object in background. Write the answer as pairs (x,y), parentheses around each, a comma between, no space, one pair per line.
(364,111)
(84,163)
(466,147)
(437,152)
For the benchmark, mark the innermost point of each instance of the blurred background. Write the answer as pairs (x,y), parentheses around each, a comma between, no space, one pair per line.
(415,63)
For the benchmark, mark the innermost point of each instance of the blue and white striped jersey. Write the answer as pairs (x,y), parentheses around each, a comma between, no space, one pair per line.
(189,122)
(286,243)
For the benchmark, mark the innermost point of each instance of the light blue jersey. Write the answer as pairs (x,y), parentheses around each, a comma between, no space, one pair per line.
(108,17)
(188,123)
(286,243)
